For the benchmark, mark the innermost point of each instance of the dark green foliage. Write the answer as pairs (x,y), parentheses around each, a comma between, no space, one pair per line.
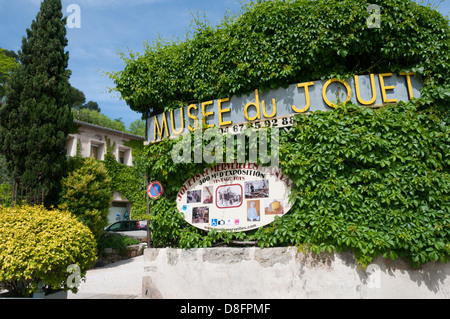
(373,181)
(92,106)
(95,117)
(276,43)
(4,177)
(77,98)
(36,119)
(87,193)
(8,62)
(116,242)
(129,182)
(376,182)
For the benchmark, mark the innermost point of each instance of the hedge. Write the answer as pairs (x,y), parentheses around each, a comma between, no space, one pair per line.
(38,245)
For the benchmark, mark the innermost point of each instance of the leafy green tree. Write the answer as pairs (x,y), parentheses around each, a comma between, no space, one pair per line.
(77,98)
(95,117)
(5,183)
(87,193)
(11,54)
(137,128)
(8,62)
(92,106)
(78,101)
(4,177)
(277,43)
(36,119)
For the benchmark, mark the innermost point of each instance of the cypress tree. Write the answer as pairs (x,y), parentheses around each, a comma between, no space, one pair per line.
(36,118)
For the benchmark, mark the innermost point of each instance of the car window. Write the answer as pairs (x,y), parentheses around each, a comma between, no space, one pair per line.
(125,225)
(115,226)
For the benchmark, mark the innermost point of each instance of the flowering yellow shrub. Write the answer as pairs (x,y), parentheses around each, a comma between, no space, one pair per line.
(38,245)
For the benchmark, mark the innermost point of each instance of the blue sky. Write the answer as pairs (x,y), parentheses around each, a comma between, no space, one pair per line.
(106,27)
(111,25)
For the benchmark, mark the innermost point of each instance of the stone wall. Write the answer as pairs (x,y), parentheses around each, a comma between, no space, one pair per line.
(272,273)
(112,255)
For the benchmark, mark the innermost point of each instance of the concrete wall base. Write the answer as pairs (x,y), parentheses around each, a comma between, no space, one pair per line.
(285,273)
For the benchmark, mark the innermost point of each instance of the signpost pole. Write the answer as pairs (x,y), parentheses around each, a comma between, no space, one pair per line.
(148,213)
(155,191)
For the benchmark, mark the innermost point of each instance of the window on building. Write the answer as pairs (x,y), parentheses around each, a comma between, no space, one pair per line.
(122,157)
(95,151)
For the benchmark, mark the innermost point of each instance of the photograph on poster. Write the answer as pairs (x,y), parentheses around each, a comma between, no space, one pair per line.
(229,196)
(194,197)
(253,211)
(208,195)
(200,215)
(273,207)
(257,189)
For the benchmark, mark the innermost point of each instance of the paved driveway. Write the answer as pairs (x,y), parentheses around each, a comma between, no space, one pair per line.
(121,280)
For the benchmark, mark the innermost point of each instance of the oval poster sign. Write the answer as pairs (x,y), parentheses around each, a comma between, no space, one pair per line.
(235,197)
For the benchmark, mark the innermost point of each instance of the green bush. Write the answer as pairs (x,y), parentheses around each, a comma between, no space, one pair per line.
(87,193)
(116,242)
(373,181)
(37,245)
(6,191)
(276,43)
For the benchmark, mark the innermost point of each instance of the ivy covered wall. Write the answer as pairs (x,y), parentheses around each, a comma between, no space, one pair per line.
(375,181)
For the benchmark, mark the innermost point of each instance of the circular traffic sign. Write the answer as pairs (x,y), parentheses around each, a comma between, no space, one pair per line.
(155,190)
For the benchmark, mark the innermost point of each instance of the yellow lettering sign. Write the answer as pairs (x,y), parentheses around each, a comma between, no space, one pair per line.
(258,112)
(163,127)
(305,85)
(384,88)
(221,111)
(193,117)
(374,91)
(274,109)
(280,110)
(173,124)
(408,82)
(206,114)
(324,91)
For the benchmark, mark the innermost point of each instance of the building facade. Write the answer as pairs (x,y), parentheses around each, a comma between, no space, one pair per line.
(92,140)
